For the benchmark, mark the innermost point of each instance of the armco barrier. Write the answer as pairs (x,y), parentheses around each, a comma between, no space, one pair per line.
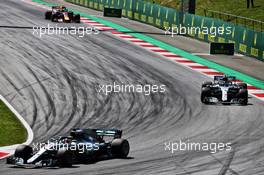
(247,41)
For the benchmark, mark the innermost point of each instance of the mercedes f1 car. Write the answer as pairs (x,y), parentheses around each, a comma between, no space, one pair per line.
(225,90)
(82,146)
(61,14)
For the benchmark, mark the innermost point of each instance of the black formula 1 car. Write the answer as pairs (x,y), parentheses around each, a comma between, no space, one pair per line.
(225,90)
(82,146)
(61,14)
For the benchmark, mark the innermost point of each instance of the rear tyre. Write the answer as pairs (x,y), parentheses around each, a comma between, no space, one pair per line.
(65,158)
(24,152)
(48,15)
(242,85)
(244,102)
(77,18)
(120,148)
(70,15)
(243,97)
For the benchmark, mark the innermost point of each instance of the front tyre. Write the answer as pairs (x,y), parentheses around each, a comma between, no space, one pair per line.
(54,18)
(65,158)
(204,95)
(24,152)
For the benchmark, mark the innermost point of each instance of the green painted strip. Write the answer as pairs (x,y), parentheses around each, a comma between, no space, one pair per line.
(246,78)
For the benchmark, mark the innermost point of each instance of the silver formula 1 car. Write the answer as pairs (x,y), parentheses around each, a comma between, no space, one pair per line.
(82,146)
(225,90)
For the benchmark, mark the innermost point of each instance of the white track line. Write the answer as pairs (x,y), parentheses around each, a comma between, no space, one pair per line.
(10,149)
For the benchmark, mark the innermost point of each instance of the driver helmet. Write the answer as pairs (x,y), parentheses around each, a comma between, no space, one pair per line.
(68,140)
(225,78)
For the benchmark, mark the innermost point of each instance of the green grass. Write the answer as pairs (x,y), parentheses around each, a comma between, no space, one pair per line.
(11,130)
(235,7)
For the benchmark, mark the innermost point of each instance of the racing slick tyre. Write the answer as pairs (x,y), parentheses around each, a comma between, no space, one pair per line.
(24,152)
(204,94)
(70,15)
(120,148)
(48,15)
(77,18)
(54,18)
(243,97)
(11,160)
(206,83)
(242,85)
(64,157)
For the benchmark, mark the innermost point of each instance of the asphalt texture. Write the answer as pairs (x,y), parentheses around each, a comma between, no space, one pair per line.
(241,63)
(53,82)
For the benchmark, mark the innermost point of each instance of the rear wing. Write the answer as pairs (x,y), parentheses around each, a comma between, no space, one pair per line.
(58,7)
(109,132)
(231,78)
(220,77)
(115,133)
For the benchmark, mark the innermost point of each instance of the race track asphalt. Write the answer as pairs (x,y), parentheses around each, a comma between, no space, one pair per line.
(53,81)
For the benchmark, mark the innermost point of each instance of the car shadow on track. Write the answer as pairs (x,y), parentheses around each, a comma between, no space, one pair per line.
(77,165)
(227,104)
(105,159)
